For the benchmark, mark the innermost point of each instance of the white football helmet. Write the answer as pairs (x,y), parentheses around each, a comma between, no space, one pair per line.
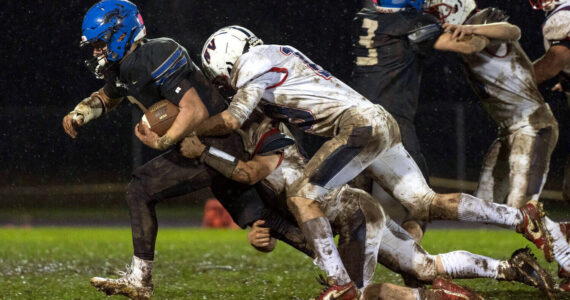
(223,48)
(450,11)
(546,5)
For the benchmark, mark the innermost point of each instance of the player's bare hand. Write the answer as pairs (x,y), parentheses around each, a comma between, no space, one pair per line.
(192,147)
(557,88)
(458,31)
(260,238)
(70,124)
(146,136)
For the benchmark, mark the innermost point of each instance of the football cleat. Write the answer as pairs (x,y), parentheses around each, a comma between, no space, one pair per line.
(135,283)
(564,285)
(523,267)
(446,289)
(533,228)
(333,291)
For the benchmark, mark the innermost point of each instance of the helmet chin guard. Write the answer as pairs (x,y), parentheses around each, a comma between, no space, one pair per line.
(115,23)
(222,49)
(450,11)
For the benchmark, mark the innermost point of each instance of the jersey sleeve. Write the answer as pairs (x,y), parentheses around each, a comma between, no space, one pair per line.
(113,91)
(251,76)
(557,27)
(164,66)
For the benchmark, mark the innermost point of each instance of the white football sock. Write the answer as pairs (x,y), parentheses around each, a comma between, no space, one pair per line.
(560,247)
(463,264)
(473,209)
(319,232)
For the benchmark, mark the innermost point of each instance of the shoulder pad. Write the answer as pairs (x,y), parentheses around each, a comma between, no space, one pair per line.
(249,66)
(271,142)
(557,26)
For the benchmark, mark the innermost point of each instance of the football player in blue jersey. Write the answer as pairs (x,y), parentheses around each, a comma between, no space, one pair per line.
(151,70)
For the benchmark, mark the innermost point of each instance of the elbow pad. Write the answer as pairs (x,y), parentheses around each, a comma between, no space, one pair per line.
(422,39)
(219,161)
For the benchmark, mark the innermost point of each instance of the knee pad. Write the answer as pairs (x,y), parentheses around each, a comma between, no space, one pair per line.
(420,208)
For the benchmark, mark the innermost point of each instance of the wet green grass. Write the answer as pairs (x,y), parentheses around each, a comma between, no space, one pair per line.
(56,263)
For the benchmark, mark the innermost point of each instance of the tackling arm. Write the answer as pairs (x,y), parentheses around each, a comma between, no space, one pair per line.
(495,31)
(249,172)
(468,45)
(553,62)
(239,110)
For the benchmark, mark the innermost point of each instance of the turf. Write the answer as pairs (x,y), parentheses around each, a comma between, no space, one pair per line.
(56,263)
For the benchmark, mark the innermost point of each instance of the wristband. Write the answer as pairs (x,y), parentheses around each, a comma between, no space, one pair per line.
(219,161)
(90,108)
(164,142)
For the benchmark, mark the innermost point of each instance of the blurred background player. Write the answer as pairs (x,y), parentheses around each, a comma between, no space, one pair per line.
(516,166)
(556,61)
(392,41)
(152,70)
(291,88)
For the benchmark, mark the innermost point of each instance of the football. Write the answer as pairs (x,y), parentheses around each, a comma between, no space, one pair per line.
(160,116)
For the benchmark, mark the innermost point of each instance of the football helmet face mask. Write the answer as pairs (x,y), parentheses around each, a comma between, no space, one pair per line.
(397,5)
(546,5)
(450,11)
(221,51)
(111,27)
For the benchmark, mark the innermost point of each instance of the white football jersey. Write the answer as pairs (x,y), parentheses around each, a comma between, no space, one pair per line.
(289,87)
(291,165)
(556,27)
(504,81)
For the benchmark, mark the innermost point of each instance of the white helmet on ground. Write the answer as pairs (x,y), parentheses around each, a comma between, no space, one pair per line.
(450,11)
(223,48)
(546,5)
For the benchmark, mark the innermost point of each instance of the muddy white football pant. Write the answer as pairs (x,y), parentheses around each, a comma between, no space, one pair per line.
(360,221)
(362,134)
(516,165)
(400,253)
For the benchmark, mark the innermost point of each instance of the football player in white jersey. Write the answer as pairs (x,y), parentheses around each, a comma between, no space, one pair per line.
(516,165)
(276,163)
(289,87)
(556,61)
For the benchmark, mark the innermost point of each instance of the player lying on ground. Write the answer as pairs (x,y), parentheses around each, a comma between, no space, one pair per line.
(347,209)
(556,61)
(152,70)
(516,165)
(287,86)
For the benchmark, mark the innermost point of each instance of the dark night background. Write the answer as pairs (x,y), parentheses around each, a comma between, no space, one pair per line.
(42,78)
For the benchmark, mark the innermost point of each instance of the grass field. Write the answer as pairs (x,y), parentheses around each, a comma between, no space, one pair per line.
(56,263)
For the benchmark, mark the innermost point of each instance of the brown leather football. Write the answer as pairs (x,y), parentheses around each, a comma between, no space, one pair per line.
(160,116)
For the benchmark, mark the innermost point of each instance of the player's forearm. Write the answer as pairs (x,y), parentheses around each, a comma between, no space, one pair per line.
(192,113)
(220,124)
(498,31)
(552,63)
(544,70)
(468,46)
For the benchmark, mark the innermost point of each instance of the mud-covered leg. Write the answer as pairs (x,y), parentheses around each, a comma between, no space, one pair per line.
(360,223)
